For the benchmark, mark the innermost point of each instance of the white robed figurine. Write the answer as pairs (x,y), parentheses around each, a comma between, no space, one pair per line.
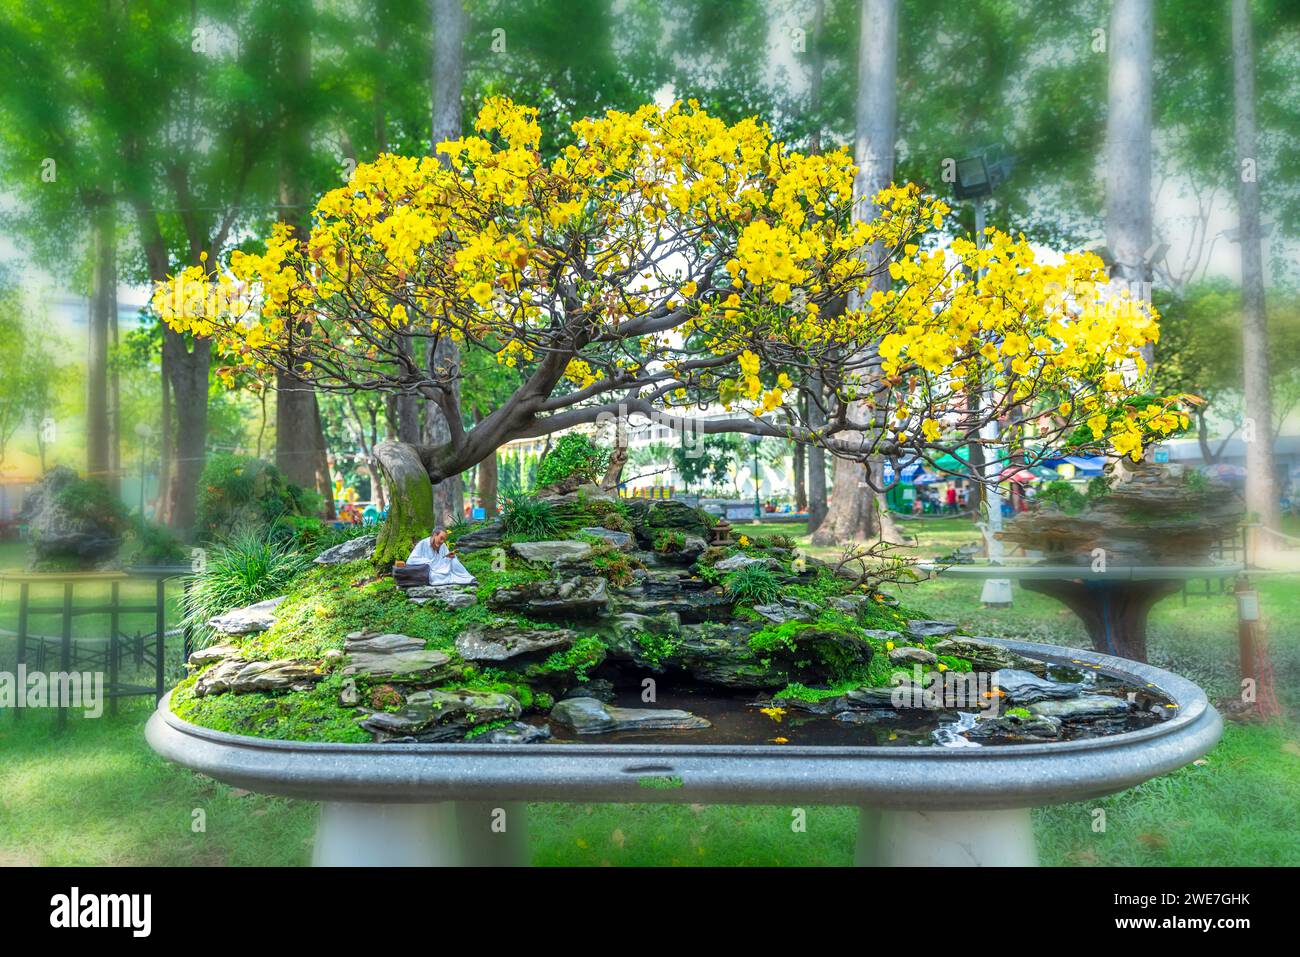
(444,568)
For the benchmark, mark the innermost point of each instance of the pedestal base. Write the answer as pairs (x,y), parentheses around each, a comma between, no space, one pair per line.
(449,834)
(946,839)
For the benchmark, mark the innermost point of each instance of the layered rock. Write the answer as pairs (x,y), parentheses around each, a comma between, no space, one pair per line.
(591,716)
(247,620)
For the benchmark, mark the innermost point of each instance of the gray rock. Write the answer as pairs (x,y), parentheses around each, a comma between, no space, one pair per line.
(590,716)
(741,560)
(247,620)
(518,732)
(240,676)
(441,715)
(985,655)
(489,536)
(577,595)
(1021,687)
(384,656)
(206,656)
(350,551)
(623,541)
(1016,728)
(1083,707)
(503,640)
(931,629)
(907,655)
(598,688)
(849,604)
(781,613)
(454,597)
(551,552)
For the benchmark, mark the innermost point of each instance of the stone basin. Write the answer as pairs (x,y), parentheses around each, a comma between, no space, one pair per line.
(454,803)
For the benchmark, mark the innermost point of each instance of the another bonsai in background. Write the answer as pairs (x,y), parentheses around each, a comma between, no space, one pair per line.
(241,492)
(1146,514)
(575,460)
(75,523)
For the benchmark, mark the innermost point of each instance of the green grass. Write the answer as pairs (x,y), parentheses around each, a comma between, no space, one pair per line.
(95,794)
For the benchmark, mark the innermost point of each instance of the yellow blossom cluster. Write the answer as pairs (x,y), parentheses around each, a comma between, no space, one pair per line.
(664,234)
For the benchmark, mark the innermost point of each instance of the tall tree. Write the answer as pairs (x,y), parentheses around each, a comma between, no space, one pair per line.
(855,512)
(1261,479)
(300,451)
(1128,141)
(442,356)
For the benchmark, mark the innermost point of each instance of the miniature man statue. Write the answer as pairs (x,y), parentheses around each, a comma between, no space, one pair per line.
(444,567)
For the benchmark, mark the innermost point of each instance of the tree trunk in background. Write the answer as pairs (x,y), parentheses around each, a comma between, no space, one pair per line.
(300,451)
(488,478)
(1128,144)
(161,502)
(854,509)
(800,478)
(1257,429)
(812,414)
(187,371)
(102,304)
(447,82)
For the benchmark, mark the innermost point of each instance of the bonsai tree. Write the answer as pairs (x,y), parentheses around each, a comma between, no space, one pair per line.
(665,263)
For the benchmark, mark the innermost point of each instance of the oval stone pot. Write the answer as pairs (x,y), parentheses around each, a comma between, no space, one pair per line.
(411,804)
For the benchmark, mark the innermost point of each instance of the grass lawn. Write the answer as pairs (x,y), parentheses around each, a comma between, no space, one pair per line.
(96,794)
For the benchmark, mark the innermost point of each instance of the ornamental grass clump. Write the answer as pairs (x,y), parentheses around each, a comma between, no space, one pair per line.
(249,567)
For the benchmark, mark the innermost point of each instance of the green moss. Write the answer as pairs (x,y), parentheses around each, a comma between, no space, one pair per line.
(482,729)
(578,659)
(290,716)
(656,649)
(1022,713)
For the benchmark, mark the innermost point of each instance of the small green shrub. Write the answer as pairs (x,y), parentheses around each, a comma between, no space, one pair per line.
(91,501)
(1062,496)
(239,491)
(526,518)
(668,541)
(149,543)
(752,585)
(573,455)
(250,567)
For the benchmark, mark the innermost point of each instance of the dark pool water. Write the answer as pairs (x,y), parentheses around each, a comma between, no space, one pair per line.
(739,718)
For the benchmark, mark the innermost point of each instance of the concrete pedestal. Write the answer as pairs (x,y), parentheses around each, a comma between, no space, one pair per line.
(447,834)
(945,839)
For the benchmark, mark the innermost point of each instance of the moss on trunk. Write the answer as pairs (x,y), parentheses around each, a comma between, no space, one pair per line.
(410,501)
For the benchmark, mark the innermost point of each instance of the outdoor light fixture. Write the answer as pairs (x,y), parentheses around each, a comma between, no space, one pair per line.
(756,441)
(980,174)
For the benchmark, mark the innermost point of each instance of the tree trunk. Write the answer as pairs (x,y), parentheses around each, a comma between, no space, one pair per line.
(300,451)
(102,304)
(800,465)
(854,507)
(1257,430)
(446,92)
(1128,144)
(162,503)
(410,497)
(187,370)
(488,474)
